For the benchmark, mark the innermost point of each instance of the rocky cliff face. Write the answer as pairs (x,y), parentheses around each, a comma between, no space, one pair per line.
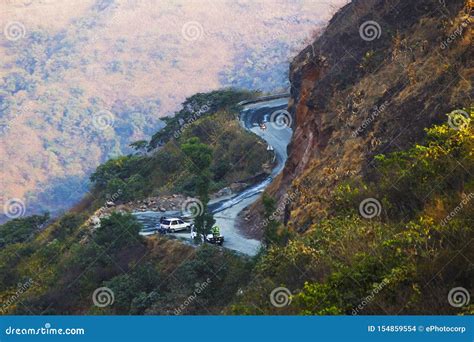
(380,73)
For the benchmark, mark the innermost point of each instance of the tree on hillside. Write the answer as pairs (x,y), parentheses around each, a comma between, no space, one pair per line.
(274,233)
(199,163)
(139,146)
(118,231)
(21,229)
(271,226)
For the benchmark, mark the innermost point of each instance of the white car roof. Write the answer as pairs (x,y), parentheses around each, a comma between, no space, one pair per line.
(171,218)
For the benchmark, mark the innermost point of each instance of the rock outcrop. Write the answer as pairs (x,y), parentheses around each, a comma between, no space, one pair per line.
(379,74)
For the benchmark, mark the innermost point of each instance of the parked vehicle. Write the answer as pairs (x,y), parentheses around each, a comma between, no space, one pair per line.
(173,224)
(215,240)
(215,237)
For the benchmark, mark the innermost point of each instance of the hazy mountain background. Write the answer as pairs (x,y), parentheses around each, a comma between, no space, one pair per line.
(82,79)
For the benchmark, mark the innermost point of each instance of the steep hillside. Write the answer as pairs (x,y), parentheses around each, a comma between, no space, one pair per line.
(373,213)
(355,96)
(58,264)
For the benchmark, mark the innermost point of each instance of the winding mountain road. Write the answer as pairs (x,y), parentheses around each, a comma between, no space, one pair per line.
(226,210)
(276,136)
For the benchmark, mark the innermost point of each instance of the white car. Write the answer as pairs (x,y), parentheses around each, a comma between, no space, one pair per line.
(172,225)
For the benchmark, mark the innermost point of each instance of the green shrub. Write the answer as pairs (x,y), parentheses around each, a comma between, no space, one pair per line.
(21,229)
(404,262)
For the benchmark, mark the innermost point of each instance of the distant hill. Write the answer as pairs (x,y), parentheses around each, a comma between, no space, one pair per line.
(81,80)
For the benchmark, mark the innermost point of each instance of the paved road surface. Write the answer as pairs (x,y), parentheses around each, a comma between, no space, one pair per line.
(226,210)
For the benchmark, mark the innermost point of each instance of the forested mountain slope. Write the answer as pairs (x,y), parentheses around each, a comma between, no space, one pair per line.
(375,203)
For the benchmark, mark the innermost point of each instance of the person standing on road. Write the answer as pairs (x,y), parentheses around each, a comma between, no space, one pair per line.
(215,231)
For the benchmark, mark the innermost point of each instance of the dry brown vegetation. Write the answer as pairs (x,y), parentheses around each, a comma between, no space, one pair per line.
(130,58)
